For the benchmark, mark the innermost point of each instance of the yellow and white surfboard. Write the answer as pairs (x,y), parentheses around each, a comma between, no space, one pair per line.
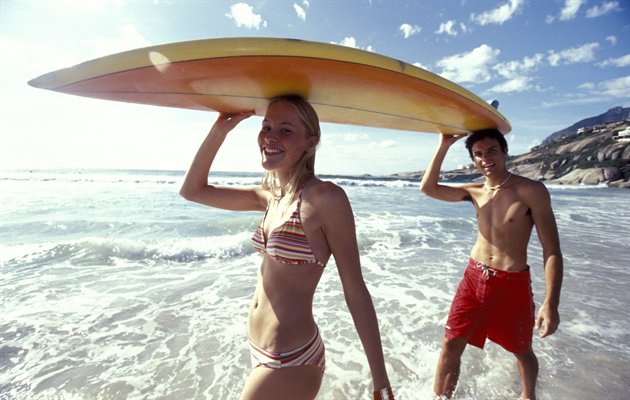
(345,85)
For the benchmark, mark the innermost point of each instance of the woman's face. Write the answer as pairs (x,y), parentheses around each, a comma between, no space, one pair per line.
(282,139)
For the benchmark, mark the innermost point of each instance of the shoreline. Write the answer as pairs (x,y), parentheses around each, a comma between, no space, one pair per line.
(456,177)
(462,176)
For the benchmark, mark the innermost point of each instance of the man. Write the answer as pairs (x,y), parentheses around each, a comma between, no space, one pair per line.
(494,299)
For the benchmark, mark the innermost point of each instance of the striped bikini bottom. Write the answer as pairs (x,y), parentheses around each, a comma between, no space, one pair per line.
(311,353)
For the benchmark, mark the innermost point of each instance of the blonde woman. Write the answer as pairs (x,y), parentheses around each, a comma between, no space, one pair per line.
(305,221)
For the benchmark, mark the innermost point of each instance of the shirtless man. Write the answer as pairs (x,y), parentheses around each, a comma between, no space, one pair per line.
(494,299)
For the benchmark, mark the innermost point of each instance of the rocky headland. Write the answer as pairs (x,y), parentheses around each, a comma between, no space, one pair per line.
(593,151)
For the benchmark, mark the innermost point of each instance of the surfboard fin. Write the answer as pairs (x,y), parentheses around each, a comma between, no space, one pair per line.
(495,104)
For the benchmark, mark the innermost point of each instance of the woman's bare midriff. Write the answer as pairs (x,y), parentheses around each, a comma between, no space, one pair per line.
(281,316)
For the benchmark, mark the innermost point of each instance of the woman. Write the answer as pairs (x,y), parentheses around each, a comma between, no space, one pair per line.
(306,221)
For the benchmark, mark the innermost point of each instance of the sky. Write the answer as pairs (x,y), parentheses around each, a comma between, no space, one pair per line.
(550,63)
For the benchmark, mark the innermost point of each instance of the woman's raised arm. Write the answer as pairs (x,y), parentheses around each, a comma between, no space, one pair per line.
(195,187)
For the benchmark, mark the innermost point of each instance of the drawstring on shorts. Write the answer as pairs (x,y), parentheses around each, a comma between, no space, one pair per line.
(486,271)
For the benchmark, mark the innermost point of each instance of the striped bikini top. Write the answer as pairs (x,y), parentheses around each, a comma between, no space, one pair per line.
(287,243)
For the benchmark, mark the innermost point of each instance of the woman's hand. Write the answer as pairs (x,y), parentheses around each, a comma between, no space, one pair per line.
(227,121)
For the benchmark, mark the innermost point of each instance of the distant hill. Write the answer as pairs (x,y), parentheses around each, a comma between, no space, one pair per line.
(592,151)
(613,115)
(592,155)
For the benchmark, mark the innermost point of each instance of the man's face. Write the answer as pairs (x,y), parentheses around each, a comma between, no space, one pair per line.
(488,156)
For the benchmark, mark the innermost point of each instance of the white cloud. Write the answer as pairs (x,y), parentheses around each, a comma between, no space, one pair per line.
(91,6)
(383,144)
(129,38)
(575,99)
(469,67)
(606,8)
(581,54)
(244,16)
(570,9)
(354,137)
(350,41)
(300,12)
(514,69)
(448,28)
(515,84)
(619,87)
(409,30)
(516,74)
(534,143)
(612,39)
(623,61)
(499,15)
(420,65)
(26,59)
(587,86)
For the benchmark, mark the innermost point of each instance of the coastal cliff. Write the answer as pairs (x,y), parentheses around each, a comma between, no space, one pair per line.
(593,151)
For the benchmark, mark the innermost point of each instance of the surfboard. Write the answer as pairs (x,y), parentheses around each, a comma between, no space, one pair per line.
(344,85)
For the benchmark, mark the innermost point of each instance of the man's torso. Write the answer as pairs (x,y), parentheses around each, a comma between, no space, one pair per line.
(505,223)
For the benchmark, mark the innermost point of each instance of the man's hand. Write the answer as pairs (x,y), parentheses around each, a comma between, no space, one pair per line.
(448,140)
(548,319)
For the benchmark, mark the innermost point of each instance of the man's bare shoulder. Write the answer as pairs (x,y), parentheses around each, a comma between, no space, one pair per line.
(472,190)
(532,191)
(528,183)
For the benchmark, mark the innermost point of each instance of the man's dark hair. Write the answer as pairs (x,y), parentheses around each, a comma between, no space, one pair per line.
(486,134)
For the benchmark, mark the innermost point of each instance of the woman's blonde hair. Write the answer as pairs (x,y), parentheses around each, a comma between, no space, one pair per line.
(305,168)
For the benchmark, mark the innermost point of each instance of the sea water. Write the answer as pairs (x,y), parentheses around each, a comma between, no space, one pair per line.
(114,287)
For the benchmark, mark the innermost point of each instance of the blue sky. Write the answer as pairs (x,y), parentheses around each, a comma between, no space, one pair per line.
(550,63)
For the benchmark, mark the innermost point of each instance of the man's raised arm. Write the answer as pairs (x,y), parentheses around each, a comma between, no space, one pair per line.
(430,180)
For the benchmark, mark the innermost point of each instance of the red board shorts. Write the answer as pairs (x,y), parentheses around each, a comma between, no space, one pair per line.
(494,304)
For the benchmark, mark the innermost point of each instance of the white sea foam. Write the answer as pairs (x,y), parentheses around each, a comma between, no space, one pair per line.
(114,287)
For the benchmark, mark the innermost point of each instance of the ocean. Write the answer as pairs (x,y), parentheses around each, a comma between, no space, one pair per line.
(114,287)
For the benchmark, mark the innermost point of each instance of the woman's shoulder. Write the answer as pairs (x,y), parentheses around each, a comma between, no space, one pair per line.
(319,192)
(327,202)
